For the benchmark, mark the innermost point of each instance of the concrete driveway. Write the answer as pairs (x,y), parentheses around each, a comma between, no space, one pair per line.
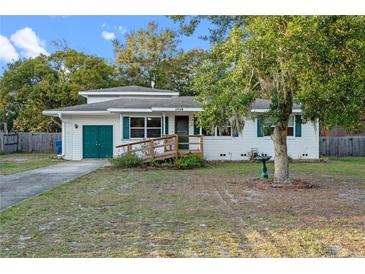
(17,187)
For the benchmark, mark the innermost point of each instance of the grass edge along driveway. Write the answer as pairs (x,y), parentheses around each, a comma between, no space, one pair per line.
(18,162)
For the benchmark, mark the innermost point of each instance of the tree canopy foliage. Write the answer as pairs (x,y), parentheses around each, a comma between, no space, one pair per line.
(221,25)
(30,86)
(151,57)
(317,61)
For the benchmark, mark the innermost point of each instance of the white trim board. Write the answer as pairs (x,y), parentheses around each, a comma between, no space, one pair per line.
(109,93)
(176,109)
(155,109)
(266,110)
(55,112)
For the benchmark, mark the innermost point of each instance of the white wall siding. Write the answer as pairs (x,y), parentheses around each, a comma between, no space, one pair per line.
(239,148)
(74,140)
(215,148)
(67,141)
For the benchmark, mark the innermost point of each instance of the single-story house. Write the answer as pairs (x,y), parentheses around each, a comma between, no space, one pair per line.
(115,117)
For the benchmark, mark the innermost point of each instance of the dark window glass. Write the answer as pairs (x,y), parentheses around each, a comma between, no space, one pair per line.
(137,133)
(268,130)
(153,122)
(153,132)
(225,131)
(290,131)
(137,122)
(206,132)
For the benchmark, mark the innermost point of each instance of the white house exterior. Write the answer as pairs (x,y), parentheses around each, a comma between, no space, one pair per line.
(124,115)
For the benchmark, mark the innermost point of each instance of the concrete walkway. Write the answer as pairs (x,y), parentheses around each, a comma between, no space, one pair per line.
(17,187)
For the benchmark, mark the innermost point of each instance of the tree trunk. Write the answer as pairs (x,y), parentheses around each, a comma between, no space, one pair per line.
(281,162)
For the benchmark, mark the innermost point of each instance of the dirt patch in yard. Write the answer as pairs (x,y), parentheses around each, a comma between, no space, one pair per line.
(212,212)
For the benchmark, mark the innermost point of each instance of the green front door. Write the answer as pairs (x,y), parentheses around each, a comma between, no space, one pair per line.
(97,141)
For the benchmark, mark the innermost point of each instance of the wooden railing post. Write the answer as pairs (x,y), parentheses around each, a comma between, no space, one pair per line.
(152,150)
(202,145)
(177,146)
(148,147)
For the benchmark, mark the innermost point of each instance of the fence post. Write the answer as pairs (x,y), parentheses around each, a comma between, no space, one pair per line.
(202,145)
(1,142)
(152,150)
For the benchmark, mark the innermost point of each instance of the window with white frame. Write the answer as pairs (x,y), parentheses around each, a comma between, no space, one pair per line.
(137,127)
(153,127)
(291,125)
(145,127)
(268,127)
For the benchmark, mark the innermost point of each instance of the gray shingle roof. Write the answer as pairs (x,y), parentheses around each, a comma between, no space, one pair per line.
(130,89)
(142,103)
(265,104)
(173,102)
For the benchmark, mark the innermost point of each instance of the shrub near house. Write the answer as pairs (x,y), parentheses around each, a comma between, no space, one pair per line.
(127,160)
(130,160)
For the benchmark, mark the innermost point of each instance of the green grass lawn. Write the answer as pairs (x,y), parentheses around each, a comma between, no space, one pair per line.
(17,162)
(211,212)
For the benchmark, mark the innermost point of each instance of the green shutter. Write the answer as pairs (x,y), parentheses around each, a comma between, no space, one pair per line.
(298,126)
(125,127)
(166,125)
(259,127)
(196,128)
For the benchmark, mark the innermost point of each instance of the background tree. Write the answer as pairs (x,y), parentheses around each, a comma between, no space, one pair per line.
(151,55)
(30,86)
(145,55)
(221,25)
(317,61)
(180,71)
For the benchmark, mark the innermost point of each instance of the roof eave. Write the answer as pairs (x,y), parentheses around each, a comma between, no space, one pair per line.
(157,109)
(111,93)
(266,110)
(56,113)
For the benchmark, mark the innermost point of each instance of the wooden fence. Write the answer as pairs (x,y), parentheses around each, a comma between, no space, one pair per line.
(45,142)
(342,146)
(29,142)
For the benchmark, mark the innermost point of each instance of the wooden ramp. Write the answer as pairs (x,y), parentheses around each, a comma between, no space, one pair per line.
(166,147)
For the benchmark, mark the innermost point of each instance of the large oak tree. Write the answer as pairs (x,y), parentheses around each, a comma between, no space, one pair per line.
(317,61)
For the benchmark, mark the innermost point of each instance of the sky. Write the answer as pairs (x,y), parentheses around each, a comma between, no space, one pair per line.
(30,36)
